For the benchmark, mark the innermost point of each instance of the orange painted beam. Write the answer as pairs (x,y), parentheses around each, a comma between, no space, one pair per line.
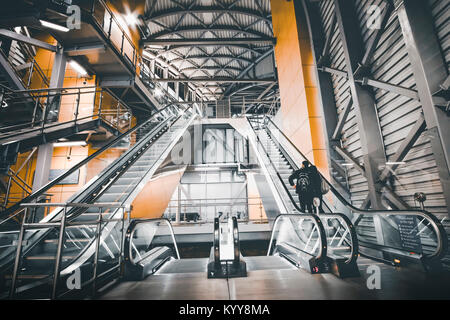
(300,115)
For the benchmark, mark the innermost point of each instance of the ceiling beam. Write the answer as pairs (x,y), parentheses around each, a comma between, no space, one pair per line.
(209,9)
(210,42)
(31,41)
(216,28)
(218,80)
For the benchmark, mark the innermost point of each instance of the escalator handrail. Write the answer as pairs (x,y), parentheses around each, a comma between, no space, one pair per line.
(65,174)
(442,246)
(347,223)
(82,252)
(130,232)
(55,214)
(316,220)
(311,216)
(352,231)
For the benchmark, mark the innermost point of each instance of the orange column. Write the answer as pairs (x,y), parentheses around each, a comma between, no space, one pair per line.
(300,116)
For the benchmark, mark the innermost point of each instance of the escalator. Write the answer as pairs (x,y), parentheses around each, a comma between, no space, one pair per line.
(333,230)
(154,269)
(85,235)
(406,238)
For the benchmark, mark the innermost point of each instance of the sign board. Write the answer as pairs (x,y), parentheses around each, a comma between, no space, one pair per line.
(408,231)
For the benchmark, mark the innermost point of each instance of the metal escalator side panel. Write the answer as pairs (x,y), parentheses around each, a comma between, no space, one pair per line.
(110,226)
(433,223)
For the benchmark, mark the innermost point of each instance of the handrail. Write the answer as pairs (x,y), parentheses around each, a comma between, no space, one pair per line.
(312,216)
(318,224)
(86,248)
(112,17)
(62,224)
(130,232)
(442,246)
(354,247)
(48,93)
(67,173)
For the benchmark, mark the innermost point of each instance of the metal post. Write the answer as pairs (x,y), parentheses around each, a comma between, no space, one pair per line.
(59,252)
(122,239)
(18,256)
(430,71)
(8,189)
(117,115)
(31,74)
(97,249)
(78,106)
(33,119)
(364,102)
(100,105)
(2,97)
(110,25)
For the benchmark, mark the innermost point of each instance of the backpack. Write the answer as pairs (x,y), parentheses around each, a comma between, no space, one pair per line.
(321,184)
(324,187)
(303,182)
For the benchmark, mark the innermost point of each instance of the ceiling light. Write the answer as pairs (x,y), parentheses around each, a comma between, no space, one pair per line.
(395,163)
(53,26)
(207,169)
(78,68)
(131,19)
(347,164)
(70,144)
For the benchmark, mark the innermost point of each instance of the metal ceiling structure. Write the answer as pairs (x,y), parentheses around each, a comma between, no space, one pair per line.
(223,48)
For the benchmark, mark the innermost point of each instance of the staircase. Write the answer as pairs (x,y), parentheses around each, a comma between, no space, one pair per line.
(19,141)
(117,184)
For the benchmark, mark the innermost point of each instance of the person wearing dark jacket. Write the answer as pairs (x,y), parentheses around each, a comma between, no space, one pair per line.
(307,187)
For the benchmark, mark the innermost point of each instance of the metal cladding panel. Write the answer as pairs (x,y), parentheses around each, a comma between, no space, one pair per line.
(440,10)
(397,114)
(350,133)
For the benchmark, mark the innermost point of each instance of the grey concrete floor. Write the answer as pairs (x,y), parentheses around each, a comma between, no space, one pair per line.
(273,278)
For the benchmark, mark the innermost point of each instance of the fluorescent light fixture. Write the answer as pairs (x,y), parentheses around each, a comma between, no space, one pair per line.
(347,164)
(395,163)
(78,68)
(70,144)
(53,26)
(207,169)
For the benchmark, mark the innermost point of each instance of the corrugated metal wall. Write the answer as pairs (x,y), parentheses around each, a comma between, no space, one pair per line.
(350,134)
(440,10)
(397,114)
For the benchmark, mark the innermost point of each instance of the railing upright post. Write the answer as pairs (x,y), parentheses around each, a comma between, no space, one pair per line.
(31,74)
(100,104)
(117,116)
(44,112)
(59,252)
(122,240)
(110,25)
(34,112)
(2,97)
(18,256)
(5,202)
(97,249)
(78,106)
